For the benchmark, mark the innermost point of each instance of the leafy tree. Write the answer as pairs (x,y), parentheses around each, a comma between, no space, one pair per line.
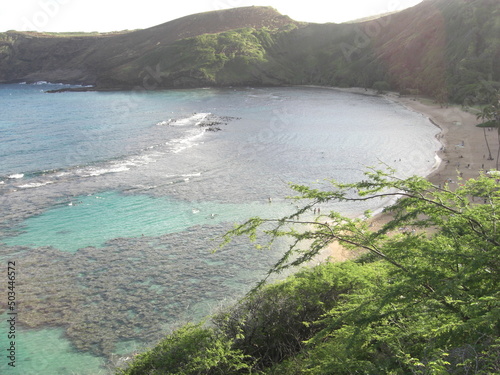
(423,299)
(440,292)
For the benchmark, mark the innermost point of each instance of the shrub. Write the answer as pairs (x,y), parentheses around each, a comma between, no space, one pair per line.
(273,323)
(188,351)
(381,86)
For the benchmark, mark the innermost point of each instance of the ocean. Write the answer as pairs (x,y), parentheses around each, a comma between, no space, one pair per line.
(112,203)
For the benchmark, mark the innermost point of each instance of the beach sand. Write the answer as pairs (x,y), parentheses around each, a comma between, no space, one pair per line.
(464,153)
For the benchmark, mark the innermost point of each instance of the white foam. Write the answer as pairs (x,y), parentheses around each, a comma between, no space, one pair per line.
(145,187)
(35,185)
(16,176)
(101,171)
(437,163)
(195,119)
(141,160)
(181,144)
(123,166)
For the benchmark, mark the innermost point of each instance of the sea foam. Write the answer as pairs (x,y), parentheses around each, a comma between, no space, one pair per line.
(35,185)
(195,119)
(16,176)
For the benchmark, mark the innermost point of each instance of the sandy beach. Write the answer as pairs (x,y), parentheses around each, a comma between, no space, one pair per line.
(464,153)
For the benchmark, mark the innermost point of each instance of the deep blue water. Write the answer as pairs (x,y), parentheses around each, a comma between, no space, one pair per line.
(110,202)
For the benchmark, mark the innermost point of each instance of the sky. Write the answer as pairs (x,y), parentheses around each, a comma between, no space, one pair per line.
(117,15)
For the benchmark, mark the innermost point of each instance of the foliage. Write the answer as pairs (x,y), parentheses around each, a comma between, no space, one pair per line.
(442,284)
(471,58)
(491,111)
(424,299)
(490,114)
(274,322)
(381,86)
(208,59)
(190,350)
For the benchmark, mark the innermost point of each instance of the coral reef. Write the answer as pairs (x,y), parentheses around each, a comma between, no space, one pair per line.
(132,289)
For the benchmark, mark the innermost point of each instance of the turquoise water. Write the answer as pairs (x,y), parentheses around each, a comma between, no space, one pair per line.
(47,352)
(111,203)
(94,220)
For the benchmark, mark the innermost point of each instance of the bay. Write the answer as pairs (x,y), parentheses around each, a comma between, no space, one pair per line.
(112,202)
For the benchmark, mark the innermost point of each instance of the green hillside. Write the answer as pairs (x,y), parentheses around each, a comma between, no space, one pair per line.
(91,58)
(443,48)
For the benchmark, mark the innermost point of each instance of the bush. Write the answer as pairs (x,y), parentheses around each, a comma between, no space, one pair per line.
(188,351)
(381,86)
(274,322)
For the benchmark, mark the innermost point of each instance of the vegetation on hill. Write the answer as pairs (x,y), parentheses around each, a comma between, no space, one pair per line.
(89,58)
(231,57)
(424,299)
(446,49)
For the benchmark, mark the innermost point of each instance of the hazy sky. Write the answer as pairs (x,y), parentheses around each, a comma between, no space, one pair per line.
(114,15)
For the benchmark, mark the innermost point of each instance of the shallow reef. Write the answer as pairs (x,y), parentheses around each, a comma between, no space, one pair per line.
(132,289)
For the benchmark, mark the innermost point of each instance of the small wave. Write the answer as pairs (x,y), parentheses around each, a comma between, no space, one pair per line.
(181,144)
(34,185)
(195,119)
(40,83)
(265,96)
(16,176)
(115,166)
(140,160)
(101,171)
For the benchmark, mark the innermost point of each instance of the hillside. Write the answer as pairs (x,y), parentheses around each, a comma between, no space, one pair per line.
(442,48)
(30,56)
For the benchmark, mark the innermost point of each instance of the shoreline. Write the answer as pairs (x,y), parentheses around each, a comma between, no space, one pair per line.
(463,154)
(464,146)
